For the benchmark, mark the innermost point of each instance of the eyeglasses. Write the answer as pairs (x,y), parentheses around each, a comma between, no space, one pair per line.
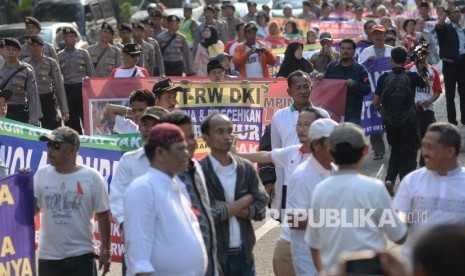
(54,145)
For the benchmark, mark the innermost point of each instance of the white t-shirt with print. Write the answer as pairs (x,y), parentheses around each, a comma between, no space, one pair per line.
(253,67)
(68,203)
(431,200)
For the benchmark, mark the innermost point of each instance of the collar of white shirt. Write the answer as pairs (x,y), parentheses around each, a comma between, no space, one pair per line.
(217,165)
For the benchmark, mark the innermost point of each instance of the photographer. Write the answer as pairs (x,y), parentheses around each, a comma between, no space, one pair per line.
(451,38)
(252,57)
(424,96)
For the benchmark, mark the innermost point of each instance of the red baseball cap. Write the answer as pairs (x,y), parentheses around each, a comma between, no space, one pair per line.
(380,28)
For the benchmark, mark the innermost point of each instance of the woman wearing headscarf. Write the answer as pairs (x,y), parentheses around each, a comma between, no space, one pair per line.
(210,47)
(293,60)
(275,39)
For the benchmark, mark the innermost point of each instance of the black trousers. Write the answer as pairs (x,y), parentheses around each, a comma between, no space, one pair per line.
(83,265)
(76,111)
(424,118)
(453,77)
(404,149)
(50,119)
(18,112)
(173,68)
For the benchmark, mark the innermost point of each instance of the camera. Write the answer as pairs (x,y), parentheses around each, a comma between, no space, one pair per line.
(259,50)
(420,51)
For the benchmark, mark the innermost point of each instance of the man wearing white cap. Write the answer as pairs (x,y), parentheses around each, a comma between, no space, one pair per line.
(303,181)
(364,212)
(287,12)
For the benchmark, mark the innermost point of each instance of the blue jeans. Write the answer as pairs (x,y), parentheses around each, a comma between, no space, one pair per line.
(83,265)
(236,265)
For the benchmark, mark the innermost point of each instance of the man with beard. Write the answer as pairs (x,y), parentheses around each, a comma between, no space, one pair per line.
(356,77)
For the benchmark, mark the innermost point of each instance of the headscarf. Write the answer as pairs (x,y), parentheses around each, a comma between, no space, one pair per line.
(270,27)
(291,64)
(213,37)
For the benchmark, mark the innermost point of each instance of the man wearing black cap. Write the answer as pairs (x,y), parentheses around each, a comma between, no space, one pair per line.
(188,26)
(326,55)
(49,84)
(5,96)
(252,57)
(105,57)
(156,18)
(33,27)
(24,105)
(231,21)
(209,13)
(358,16)
(177,55)
(131,54)
(166,93)
(215,70)
(125,32)
(70,196)
(147,60)
(75,65)
(251,12)
(306,14)
(159,69)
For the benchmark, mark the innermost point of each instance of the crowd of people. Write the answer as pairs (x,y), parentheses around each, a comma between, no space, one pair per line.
(182,216)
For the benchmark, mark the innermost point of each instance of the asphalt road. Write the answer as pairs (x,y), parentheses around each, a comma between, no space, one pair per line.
(267,232)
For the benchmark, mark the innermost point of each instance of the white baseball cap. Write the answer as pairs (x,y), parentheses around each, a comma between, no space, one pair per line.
(321,128)
(287,6)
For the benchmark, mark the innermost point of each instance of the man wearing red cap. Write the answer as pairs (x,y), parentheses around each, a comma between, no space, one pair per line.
(170,240)
(378,50)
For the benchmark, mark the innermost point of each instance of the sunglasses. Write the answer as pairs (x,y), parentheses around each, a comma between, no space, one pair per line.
(54,145)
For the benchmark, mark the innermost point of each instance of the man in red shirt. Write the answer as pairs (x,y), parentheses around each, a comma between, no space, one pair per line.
(131,54)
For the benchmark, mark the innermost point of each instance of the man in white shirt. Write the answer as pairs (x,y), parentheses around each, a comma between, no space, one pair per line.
(282,136)
(162,233)
(129,69)
(139,100)
(70,196)
(302,182)
(434,194)
(132,165)
(358,18)
(237,197)
(350,211)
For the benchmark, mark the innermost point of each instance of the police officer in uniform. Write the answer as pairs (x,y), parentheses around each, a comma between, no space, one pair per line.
(49,84)
(159,69)
(156,19)
(17,76)
(105,57)
(75,65)
(177,55)
(147,59)
(33,27)
(125,32)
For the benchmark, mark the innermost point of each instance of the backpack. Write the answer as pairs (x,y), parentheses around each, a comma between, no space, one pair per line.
(397,99)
